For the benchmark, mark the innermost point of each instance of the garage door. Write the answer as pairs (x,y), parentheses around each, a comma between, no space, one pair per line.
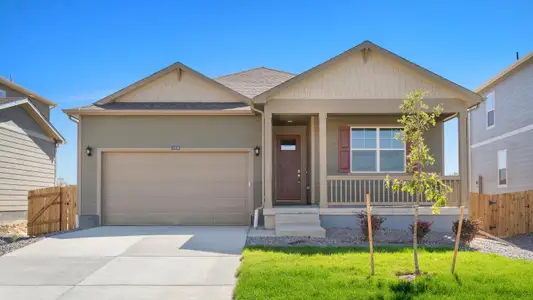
(178,188)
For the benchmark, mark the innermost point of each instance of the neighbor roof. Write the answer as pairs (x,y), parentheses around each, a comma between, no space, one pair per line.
(25,91)
(36,115)
(253,82)
(470,96)
(506,72)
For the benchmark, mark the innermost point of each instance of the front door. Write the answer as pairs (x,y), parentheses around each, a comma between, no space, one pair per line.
(288,170)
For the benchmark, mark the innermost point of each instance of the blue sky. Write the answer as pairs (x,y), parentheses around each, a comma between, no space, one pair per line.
(75,52)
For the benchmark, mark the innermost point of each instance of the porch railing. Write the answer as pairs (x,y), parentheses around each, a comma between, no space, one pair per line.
(351,190)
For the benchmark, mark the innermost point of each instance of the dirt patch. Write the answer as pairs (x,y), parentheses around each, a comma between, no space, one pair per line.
(19,229)
(410,276)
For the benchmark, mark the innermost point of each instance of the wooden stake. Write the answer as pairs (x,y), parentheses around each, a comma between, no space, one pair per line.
(370,239)
(458,238)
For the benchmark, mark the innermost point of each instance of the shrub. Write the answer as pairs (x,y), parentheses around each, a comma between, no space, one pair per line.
(376,223)
(423,228)
(470,229)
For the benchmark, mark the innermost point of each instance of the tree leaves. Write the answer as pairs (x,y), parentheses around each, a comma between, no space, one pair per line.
(417,119)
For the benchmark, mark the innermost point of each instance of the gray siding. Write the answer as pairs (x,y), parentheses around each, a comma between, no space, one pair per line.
(43,108)
(513,106)
(513,110)
(434,139)
(162,132)
(27,159)
(519,164)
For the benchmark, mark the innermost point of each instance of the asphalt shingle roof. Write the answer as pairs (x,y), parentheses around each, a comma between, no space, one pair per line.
(253,82)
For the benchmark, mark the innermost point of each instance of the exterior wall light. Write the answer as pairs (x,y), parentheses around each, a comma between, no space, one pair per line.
(89,150)
(257,150)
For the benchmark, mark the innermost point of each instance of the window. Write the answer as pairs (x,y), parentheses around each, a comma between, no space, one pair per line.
(2,94)
(377,150)
(288,145)
(502,168)
(490,110)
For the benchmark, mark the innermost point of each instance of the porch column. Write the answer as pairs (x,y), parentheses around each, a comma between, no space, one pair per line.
(267,150)
(323,160)
(463,156)
(313,159)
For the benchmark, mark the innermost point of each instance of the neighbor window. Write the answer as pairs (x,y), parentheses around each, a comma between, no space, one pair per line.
(377,150)
(502,168)
(490,110)
(2,94)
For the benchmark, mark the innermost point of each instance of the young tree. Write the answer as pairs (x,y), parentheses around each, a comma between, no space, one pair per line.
(416,120)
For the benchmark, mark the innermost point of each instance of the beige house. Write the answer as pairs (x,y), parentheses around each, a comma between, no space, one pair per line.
(297,152)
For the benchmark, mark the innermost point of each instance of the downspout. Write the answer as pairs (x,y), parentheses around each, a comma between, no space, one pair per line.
(256,211)
(78,166)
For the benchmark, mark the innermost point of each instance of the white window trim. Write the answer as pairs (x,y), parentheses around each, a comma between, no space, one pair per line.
(487,110)
(5,93)
(498,169)
(377,149)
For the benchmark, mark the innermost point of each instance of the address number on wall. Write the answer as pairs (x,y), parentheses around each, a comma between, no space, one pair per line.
(175,147)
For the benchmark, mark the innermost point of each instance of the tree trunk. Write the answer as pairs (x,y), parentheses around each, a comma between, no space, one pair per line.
(415,241)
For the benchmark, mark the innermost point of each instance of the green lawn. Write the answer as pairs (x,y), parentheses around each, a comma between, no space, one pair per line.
(344,273)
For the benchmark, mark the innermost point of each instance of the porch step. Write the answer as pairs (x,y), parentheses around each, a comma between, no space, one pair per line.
(297,219)
(299,230)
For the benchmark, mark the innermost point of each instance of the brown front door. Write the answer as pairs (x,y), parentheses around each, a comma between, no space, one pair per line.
(288,170)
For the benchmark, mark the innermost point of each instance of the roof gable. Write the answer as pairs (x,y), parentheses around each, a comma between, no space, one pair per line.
(47,127)
(516,66)
(176,83)
(367,71)
(20,89)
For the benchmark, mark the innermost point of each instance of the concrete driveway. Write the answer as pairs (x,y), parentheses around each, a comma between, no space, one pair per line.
(126,262)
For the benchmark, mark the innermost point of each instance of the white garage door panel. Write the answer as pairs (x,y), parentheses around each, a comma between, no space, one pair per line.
(175,188)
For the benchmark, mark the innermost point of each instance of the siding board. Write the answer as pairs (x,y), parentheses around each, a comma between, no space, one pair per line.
(378,77)
(171,89)
(14,165)
(26,163)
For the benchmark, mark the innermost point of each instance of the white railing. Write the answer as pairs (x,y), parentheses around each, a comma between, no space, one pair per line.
(351,190)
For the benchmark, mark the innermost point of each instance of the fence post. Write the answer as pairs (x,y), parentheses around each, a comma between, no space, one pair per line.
(458,237)
(370,238)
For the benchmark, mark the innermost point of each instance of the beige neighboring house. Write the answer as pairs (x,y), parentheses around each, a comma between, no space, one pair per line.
(502,131)
(295,153)
(28,143)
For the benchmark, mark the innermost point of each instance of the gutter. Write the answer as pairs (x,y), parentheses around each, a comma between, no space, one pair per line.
(256,211)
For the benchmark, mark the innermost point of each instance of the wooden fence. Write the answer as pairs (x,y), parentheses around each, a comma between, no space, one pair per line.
(51,209)
(504,214)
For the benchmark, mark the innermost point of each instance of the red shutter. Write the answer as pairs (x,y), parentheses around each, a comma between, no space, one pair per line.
(344,149)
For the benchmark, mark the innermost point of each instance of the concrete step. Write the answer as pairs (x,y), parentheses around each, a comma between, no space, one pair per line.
(297,219)
(294,230)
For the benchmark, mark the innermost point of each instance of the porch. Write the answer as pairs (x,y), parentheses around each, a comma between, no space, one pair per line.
(315,159)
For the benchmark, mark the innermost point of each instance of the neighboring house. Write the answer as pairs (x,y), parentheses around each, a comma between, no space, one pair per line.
(180,148)
(28,143)
(502,132)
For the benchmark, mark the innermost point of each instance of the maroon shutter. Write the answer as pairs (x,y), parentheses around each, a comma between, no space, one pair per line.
(344,149)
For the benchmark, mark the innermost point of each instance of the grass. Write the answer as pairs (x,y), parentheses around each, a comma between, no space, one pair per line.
(344,273)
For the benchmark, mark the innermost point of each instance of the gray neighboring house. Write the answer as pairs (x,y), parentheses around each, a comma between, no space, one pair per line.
(502,132)
(299,151)
(28,143)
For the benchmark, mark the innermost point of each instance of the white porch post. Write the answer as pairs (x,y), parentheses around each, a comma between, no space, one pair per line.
(463,156)
(323,160)
(268,159)
(313,159)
